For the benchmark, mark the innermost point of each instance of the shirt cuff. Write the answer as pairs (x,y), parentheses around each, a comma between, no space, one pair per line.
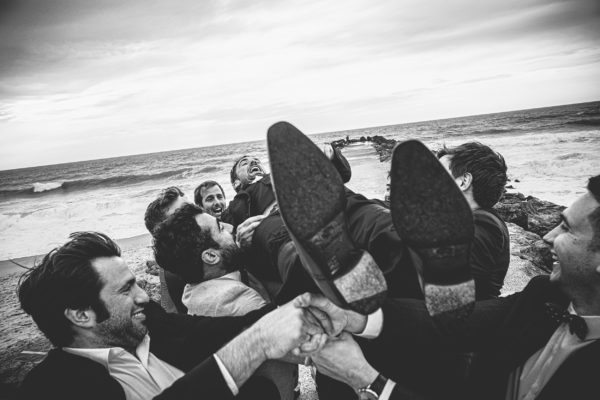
(374,325)
(387,390)
(228,378)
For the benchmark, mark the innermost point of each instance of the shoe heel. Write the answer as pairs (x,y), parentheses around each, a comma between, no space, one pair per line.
(363,287)
(452,301)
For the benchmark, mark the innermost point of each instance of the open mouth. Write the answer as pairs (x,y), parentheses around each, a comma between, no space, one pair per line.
(139,314)
(555,260)
(255,169)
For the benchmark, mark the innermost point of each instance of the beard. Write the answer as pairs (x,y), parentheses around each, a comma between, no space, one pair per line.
(232,257)
(123,331)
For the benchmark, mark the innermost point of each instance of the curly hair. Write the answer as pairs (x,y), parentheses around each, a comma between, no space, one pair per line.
(204,185)
(179,243)
(66,279)
(155,212)
(486,166)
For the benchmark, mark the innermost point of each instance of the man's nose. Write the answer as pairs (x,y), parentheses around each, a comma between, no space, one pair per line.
(549,237)
(141,297)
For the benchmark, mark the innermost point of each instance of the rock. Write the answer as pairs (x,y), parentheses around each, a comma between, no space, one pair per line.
(530,246)
(530,213)
(524,263)
(383,147)
(511,208)
(152,267)
(543,215)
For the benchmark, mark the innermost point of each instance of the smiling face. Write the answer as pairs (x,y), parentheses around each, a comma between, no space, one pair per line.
(248,169)
(576,261)
(125,302)
(213,200)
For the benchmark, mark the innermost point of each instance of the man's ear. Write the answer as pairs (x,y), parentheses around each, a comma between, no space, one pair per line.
(211,256)
(236,184)
(465,181)
(85,318)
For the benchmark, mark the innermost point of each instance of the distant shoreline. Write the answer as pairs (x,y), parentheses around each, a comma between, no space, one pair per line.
(9,267)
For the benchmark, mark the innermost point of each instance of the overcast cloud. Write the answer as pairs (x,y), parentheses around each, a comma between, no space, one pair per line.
(92,79)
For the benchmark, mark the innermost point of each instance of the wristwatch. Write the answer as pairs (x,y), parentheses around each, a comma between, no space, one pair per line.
(372,391)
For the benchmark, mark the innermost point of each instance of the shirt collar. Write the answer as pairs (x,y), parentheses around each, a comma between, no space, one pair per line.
(106,354)
(592,322)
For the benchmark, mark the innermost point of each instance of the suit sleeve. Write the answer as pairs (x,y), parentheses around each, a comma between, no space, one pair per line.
(490,254)
(204,380)
(186,340)
(407,327)
(341,165)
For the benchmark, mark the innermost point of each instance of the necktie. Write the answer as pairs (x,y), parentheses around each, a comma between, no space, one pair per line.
(577,324)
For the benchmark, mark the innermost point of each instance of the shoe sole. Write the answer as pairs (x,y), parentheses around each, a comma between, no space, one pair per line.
(432,216)
(311,200)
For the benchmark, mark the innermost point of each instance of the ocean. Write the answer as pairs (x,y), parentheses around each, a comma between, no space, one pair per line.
(550,153)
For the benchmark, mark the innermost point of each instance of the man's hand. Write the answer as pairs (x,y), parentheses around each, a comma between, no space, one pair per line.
(331,317)
(327,149)
(290,328)
(245,231)
(342,359)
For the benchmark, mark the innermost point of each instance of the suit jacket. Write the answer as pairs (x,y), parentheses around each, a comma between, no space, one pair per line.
(505,332)
(184,341)
(490,253)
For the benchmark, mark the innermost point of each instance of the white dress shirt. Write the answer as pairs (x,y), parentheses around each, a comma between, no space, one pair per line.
(144,375)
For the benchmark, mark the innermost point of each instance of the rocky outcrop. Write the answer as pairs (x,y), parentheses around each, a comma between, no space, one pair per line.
(383,147)
(536,218)
(530,213)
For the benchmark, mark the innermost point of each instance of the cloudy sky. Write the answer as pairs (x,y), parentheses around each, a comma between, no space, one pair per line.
(92,79)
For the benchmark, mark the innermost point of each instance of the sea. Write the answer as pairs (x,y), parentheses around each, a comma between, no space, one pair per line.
(550,153)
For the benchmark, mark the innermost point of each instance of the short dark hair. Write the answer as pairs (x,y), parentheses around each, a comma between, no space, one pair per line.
(202,186)
(179,243)
(594,217)
(233,174)
(66,279)
(155,212)
(486,166)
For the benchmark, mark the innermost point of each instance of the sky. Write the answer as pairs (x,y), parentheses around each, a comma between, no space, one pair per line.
(92,79)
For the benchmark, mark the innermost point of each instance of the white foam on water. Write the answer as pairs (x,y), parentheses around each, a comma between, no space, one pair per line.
(39,187)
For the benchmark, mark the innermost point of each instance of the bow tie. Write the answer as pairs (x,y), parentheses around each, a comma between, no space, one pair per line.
(577,324)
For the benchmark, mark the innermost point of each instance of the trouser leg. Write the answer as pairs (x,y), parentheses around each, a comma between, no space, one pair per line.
(276,262)
(371,228)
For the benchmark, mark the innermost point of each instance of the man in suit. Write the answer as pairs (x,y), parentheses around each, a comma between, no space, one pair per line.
(111,342)
(541,343)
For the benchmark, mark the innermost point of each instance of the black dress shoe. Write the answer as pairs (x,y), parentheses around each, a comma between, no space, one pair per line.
(311,199)
(433,218)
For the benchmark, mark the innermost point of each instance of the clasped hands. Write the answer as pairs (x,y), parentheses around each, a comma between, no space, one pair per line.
(326,338)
